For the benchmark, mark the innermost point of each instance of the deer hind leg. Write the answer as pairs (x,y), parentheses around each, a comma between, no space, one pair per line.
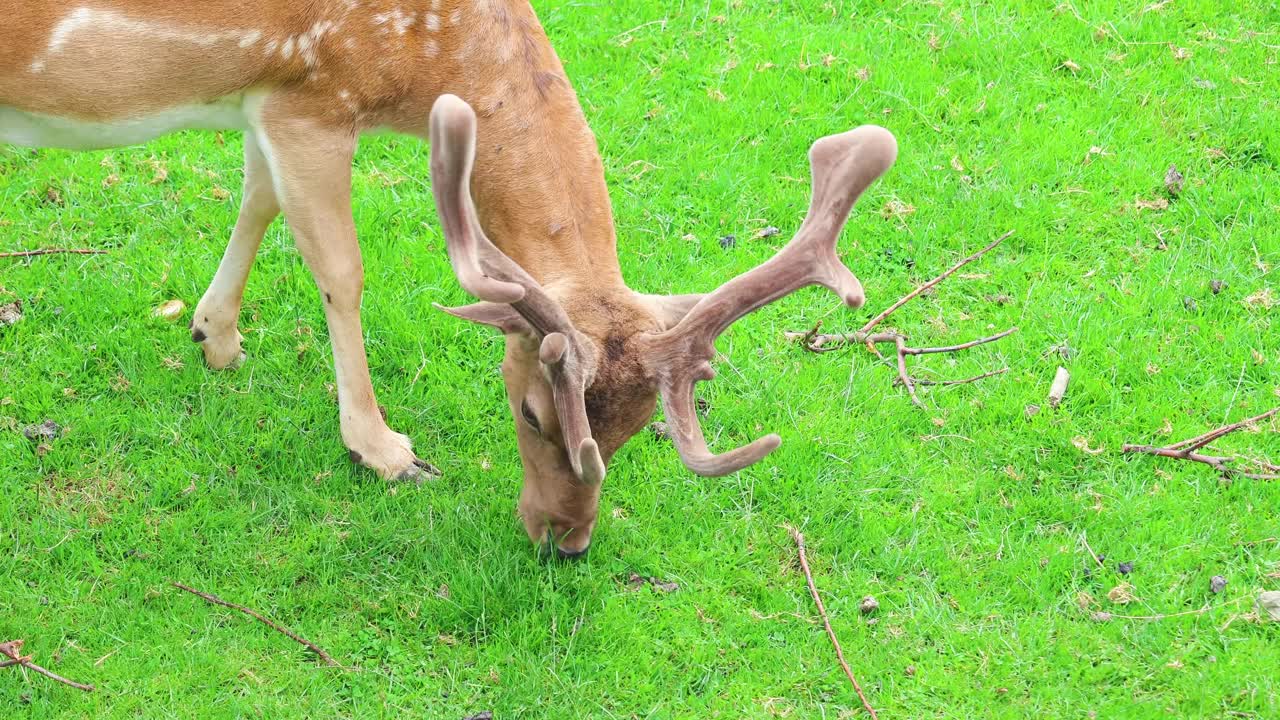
(311,165)
(215,324)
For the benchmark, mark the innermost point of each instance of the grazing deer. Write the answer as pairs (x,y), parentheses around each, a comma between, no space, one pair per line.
(586,357)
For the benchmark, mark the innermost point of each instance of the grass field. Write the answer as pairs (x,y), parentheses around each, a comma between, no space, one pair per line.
(965,520)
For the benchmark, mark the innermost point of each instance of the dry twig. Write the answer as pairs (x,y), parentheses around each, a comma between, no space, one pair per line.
(13,651)
(280,629)
(815,341)
(822,611)
(1225,464)
(52,251)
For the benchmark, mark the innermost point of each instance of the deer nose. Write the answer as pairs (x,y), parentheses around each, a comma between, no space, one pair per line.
(571,554)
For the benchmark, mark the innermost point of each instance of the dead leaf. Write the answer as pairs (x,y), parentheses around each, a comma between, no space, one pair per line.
(170,309)
(1180,53)
(896,208)
(1082,444)
(767,232)
(1096,150)
(1263,298)
(1155,6)
(1156,204)
(1121,594)
(1070,65)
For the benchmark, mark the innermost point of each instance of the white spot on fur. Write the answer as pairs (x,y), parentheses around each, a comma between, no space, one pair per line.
(433,22)
(431,48)
(286,50)
(250,38)
(110,23)
(455,17)
(270,47)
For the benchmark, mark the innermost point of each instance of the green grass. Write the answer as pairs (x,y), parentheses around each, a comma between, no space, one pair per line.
(964,520)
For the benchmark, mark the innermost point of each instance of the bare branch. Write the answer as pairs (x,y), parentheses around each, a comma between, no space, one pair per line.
(283,630)
(1200,441)
(966,381)
(914,293)
(52,251)
(816,342)
(12,650)
(965,346)
(1228,465)
(826,622)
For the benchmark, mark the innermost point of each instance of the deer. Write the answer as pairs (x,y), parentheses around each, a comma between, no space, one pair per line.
(519,189)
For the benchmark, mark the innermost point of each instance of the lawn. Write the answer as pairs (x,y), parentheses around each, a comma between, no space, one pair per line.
(966,519)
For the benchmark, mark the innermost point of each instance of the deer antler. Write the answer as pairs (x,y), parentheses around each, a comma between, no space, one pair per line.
(843,167)
(567,356)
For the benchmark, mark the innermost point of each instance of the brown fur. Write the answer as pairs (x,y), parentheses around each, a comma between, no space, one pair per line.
(538,182)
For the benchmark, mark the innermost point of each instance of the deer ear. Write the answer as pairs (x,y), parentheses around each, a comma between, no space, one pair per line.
(498,315)
(670,309)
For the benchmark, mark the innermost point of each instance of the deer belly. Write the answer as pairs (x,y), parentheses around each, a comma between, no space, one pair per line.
(18,127)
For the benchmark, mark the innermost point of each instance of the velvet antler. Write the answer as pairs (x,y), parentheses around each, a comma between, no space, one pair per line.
(843,167)
(484,271)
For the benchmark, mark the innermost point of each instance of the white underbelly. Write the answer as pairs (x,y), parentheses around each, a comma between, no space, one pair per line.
(49,131)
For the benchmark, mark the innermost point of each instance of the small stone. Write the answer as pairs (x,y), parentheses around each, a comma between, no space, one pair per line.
(910,671)
(868,605)
(661,430)
(10,314)
(1217,583)
(1269,605)
(1216,286)
(1189,303)
(728,241)
(767,232)
(1173,181)
(1125,568)
(46,430)
(486,715)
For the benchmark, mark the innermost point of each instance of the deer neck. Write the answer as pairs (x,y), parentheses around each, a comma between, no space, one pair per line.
(538,179)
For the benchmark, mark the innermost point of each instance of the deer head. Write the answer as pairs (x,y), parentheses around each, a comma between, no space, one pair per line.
(584,365)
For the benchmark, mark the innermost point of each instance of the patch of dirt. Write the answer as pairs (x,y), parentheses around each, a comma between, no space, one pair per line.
(636,581)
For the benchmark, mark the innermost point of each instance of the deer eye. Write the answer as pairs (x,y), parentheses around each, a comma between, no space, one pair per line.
(527,413)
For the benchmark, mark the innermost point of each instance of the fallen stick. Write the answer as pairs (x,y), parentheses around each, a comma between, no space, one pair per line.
(822,611)
(12,650)
(914,293)
(1103,615)
(903,350)
(815,341)
(1225,464)
(52,251)
(282,630)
